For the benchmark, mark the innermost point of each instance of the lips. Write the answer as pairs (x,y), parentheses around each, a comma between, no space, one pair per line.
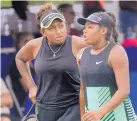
(59,36)
(85,37)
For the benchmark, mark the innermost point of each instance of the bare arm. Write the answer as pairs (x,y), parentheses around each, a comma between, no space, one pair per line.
(27,53)
(119,63)
(23,83)
(81,95)
(22,58)
(77,44)
(82,100)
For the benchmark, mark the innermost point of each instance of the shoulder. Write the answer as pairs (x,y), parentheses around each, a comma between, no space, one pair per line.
(80,53)
(30,50)
(117,51)
(33,45)
(78,42)
(118,55)
(35,42)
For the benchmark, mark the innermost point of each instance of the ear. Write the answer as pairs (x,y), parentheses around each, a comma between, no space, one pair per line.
(42,31)
(104,30)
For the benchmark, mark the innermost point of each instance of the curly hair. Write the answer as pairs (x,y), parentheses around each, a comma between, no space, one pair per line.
(44,8)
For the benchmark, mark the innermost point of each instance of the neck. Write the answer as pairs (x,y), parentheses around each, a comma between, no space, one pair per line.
(50,43)
(100,45)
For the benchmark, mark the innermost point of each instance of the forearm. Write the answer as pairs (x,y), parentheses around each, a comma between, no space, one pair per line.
(82,102)
(22,81)
(24,70)
(82,106)
(116,100)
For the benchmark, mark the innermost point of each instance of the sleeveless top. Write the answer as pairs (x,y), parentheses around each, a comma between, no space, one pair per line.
(100,85)
(57,77)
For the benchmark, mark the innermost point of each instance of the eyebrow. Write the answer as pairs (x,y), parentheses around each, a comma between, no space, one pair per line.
(91,23)
(60,23)
(87,24)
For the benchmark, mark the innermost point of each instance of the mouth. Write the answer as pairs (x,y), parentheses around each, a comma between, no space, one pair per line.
(59,37)
(85,37)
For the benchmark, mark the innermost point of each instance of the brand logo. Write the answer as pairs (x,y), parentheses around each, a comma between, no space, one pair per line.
(98,62)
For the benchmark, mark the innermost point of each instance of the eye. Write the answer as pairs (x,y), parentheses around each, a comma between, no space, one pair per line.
(50,28)
(61,26)
(90,27)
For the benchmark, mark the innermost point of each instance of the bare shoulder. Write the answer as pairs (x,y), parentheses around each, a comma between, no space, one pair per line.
(77,44)
(118,55)
(118,51)
(33,46)
(35,42)
(80,53)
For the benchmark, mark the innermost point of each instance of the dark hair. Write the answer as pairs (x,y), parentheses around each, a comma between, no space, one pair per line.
(114,31)
(63,7)
(20,8)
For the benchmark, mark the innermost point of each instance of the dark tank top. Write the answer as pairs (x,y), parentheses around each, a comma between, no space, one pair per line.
(100,85)
(57,76)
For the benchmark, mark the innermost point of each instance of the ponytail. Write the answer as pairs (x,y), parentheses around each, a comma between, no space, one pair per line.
(114,31)
(115,34)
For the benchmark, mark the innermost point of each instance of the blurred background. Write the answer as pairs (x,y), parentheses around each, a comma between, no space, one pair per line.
(19,25)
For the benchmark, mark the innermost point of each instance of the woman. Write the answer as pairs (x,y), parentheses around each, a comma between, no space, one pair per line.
(104,72)
(55,66)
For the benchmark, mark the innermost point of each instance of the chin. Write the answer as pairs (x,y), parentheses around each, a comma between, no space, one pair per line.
(88,42)
(60,41)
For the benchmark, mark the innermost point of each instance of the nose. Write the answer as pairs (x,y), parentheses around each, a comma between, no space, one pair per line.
(58,30)
(84,30)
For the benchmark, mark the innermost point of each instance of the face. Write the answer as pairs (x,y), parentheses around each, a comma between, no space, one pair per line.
(93,33)
(57,32)
(69,15)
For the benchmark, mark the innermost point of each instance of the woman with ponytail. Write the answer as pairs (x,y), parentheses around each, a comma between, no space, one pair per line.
(104,71)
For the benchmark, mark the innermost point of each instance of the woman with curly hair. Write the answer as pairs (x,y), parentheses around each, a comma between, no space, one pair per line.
(56,68)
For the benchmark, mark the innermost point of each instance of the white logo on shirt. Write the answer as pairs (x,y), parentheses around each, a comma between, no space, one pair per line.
(98,62)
